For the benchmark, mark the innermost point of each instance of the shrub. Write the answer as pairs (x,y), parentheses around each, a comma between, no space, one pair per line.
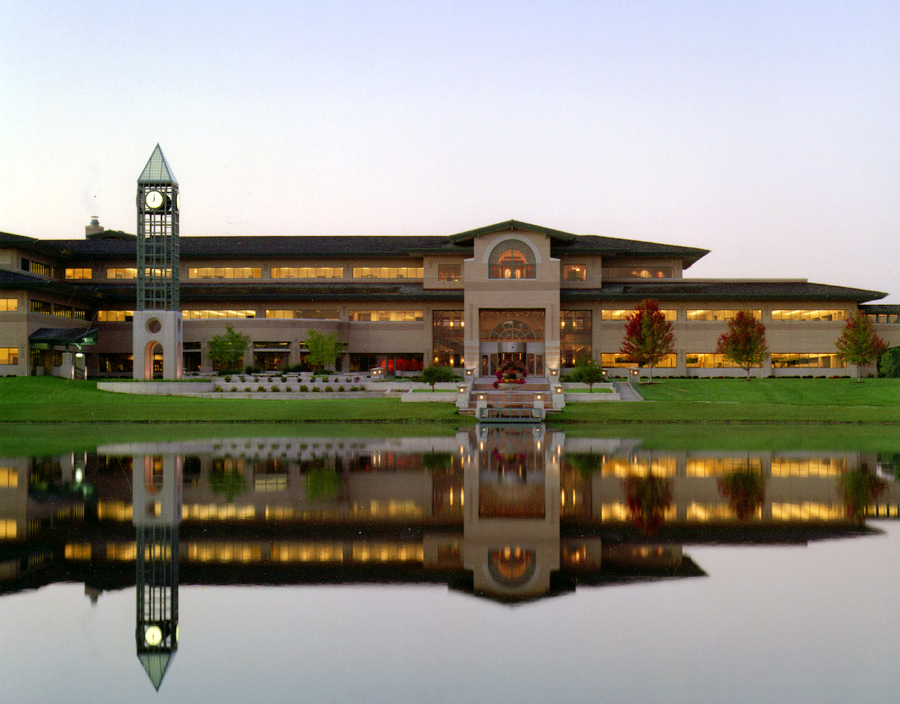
(303,388)
(276,388)
(234,388)
(218,389)
(329,389)
(228,378)
(316,389)
(252,369)
(261,388)
(341,387)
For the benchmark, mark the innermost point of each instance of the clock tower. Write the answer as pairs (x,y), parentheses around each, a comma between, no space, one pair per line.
(157,317)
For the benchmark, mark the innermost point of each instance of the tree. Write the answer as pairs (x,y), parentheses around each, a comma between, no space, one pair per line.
(227,350)
(889,364)
(434,374)
(859,343)
(586,372)
(648,335)
(323,349)
(745,342)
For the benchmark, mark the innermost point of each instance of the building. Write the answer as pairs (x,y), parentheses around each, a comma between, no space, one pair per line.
(469,300)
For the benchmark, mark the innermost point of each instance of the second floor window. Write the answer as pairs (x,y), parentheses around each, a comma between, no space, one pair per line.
(511,260)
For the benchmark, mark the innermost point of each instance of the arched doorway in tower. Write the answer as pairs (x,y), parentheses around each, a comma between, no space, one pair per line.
(153,360)
(512,335)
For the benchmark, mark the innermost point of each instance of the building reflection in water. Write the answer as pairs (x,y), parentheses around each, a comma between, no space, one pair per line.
(511,514)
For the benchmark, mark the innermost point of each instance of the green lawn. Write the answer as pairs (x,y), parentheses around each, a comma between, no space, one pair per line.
(50,399)
(755,401)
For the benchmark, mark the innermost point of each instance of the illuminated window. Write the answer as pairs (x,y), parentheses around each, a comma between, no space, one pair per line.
(78,551)
(83,273)
(511,259)
(642,271)
(717,466)
(387,272)
(9,355)
(617,359)
(307,272)
(448,329)
(115,316)
(217,314)
(224,272)
(8,305)
(450,273)
(9,477)
(121,272)
(62,311)
(36,267)
(808,315)
(808,360)
(574,336)
(806,511)
(808,466)
(307,313)
(7,528)
(719,315)
(709,361)
(385,316)
(623,314)
(574,272)
(41,307)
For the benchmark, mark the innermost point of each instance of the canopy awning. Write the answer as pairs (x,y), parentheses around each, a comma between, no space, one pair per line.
(45,338)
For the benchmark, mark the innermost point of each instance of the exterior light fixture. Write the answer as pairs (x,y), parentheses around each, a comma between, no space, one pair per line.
(554,372)
(461,389)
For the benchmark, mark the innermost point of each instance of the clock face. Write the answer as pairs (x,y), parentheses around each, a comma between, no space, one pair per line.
(154,199)
(153,635)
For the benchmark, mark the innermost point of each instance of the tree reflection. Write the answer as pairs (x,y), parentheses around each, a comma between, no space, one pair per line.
(229,483)
(745,490)
(322,481)
(859,488)
(648,498)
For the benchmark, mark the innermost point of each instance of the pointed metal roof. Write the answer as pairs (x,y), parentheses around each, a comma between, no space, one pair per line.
(156,663)
(157,170)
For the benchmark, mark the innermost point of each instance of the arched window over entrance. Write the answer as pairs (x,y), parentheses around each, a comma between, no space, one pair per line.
(511,259)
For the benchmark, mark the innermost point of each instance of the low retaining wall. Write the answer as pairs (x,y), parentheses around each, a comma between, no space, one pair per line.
(156,388)
(590,398)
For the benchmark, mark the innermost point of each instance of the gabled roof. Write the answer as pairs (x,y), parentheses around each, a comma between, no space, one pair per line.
(155,664)
(157,170)
(511,225)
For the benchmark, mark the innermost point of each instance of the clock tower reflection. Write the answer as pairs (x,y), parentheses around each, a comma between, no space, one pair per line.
(157,512)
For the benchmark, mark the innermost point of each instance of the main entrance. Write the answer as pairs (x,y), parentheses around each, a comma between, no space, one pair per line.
(511,335)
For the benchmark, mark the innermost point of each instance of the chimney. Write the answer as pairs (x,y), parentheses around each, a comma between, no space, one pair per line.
(94,227)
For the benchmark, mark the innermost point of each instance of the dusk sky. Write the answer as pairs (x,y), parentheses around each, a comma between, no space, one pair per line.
(767,132)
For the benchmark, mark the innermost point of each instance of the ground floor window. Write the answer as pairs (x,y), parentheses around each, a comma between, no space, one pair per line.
(271,356)
(192,357)
(617,359)
(709,361)
(9,355)
(807,360)
(447,338)
(116,363)
(390,362)
(574,336)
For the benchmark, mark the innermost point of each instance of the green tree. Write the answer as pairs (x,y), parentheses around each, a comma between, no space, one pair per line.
(227,350)
(586,372)
(859,344)
(229,483)
(745,342)
(323,349)
(889,364)
(648,335)
(434,374)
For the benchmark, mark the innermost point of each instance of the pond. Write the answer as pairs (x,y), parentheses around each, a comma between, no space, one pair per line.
(488,564)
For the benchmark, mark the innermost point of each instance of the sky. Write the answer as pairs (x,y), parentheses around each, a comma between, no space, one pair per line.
(766,132)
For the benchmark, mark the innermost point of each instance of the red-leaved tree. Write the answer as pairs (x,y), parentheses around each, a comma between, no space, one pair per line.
(745,342)
(859,343)
(648,335)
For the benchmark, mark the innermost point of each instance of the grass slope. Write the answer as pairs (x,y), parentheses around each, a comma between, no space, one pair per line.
(50,399)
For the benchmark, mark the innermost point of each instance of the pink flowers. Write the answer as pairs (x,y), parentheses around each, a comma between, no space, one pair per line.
(510,372)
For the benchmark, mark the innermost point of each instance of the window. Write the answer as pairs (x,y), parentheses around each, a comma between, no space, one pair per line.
(574,335)
(307,272)
(116,363)
(84,273)
(574,272)
(717,315)
(808,360)
(80,314)
(217,314)
(387,272)
(623,314)
(448,329)
(9,355)
(307,313)
(390,362)
(62,311)
(385,316)
(115,316)
(224,272)
(41,307)
(450,273)
(874,317)
(641,271)
(121,272)
(617,359)
(35,267)
(808,315)
(709,361)
(8,305)
(511,259)
(9,477)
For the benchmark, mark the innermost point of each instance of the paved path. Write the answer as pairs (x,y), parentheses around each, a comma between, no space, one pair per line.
(627,392)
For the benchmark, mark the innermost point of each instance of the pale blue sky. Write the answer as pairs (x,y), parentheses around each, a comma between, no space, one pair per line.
(768,132)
